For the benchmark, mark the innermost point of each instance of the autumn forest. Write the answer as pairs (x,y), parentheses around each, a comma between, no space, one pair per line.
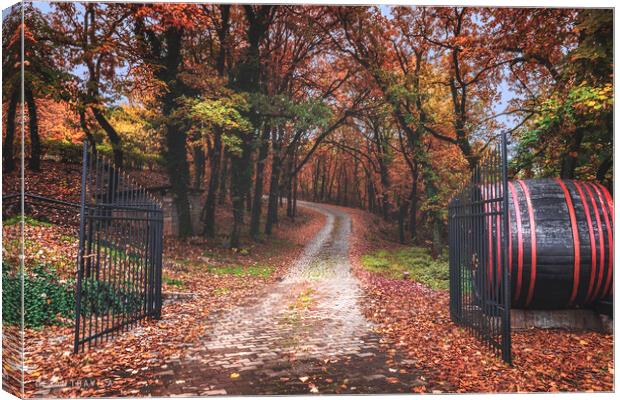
(253,120)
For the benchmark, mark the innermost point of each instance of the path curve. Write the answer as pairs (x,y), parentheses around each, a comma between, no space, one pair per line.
(307,334)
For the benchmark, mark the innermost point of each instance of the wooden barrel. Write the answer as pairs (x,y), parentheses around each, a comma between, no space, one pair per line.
(560,247)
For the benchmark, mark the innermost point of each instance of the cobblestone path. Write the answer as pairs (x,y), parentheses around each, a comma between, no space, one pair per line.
(306,335)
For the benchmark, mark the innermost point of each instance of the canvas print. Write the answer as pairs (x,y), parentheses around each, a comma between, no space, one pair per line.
(205,199)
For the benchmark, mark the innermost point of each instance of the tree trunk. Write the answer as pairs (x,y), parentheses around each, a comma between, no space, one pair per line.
(413,213)
(385,187)
(247,79)
(9,140)
(371,195)
(87,132)
(315,180)
(274,183)
(289,197)
(294,209)
(413,201)
(323,181)
(35,144)
(569,160)
(224,178)
(258,185)
(402,212)
(214,180)
(605,165)
(199,165)
(240,183)
(115,139)
(175,135)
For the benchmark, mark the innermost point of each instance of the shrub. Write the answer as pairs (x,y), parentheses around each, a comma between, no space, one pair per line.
(69,152)
(100,298)
(46,299)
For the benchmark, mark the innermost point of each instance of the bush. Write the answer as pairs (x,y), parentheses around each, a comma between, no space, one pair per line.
(46,299)
(100,298)
(69,152)
(62,150)
(422,267)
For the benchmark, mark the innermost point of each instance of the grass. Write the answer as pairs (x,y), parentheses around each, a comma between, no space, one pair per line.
(173,282)
(27,220)
(422,267)
(118,254)
(263,271)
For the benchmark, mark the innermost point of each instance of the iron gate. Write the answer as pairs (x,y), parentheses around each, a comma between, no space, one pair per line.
(119,255)
(479,276)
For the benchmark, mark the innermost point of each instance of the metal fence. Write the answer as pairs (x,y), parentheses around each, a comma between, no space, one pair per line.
(120,253)
(479,277)
(58,212)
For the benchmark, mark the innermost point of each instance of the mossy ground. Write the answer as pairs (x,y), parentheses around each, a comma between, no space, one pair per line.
(418,262)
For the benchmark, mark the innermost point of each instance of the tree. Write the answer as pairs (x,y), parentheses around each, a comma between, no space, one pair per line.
(90,36)
(160,31)
(570,133)
(41,75)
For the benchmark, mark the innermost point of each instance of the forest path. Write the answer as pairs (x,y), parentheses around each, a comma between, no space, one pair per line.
(307,334)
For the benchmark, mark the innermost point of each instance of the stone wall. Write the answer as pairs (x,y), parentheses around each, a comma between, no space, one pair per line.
(171,217)
(579,320)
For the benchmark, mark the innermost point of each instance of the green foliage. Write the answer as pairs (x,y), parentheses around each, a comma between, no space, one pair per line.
(14,220)
(100,298)
(584,106)
(263,271)
(417,261)
(135,124)
(46,298)
(69,152)
(173,282)
(224,112)
(574,121)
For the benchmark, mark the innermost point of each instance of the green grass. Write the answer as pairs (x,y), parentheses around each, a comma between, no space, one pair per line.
(173,282)
(417,261)
(27,220)
(263,271)
(68,239)
(118,254)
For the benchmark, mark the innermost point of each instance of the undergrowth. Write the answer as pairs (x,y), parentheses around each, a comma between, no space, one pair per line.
(417,261)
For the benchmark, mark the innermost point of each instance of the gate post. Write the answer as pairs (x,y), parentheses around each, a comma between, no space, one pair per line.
(506,281)
(80,255)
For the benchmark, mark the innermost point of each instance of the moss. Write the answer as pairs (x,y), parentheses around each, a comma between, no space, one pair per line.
(263,271)
(417,261)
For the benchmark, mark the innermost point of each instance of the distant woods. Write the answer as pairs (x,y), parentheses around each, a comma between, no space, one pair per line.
(262,105)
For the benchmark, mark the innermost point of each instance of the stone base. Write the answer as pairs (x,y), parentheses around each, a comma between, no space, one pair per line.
(579,320)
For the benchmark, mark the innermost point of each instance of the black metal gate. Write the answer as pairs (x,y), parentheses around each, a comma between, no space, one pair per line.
(120,253)
(479,276)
